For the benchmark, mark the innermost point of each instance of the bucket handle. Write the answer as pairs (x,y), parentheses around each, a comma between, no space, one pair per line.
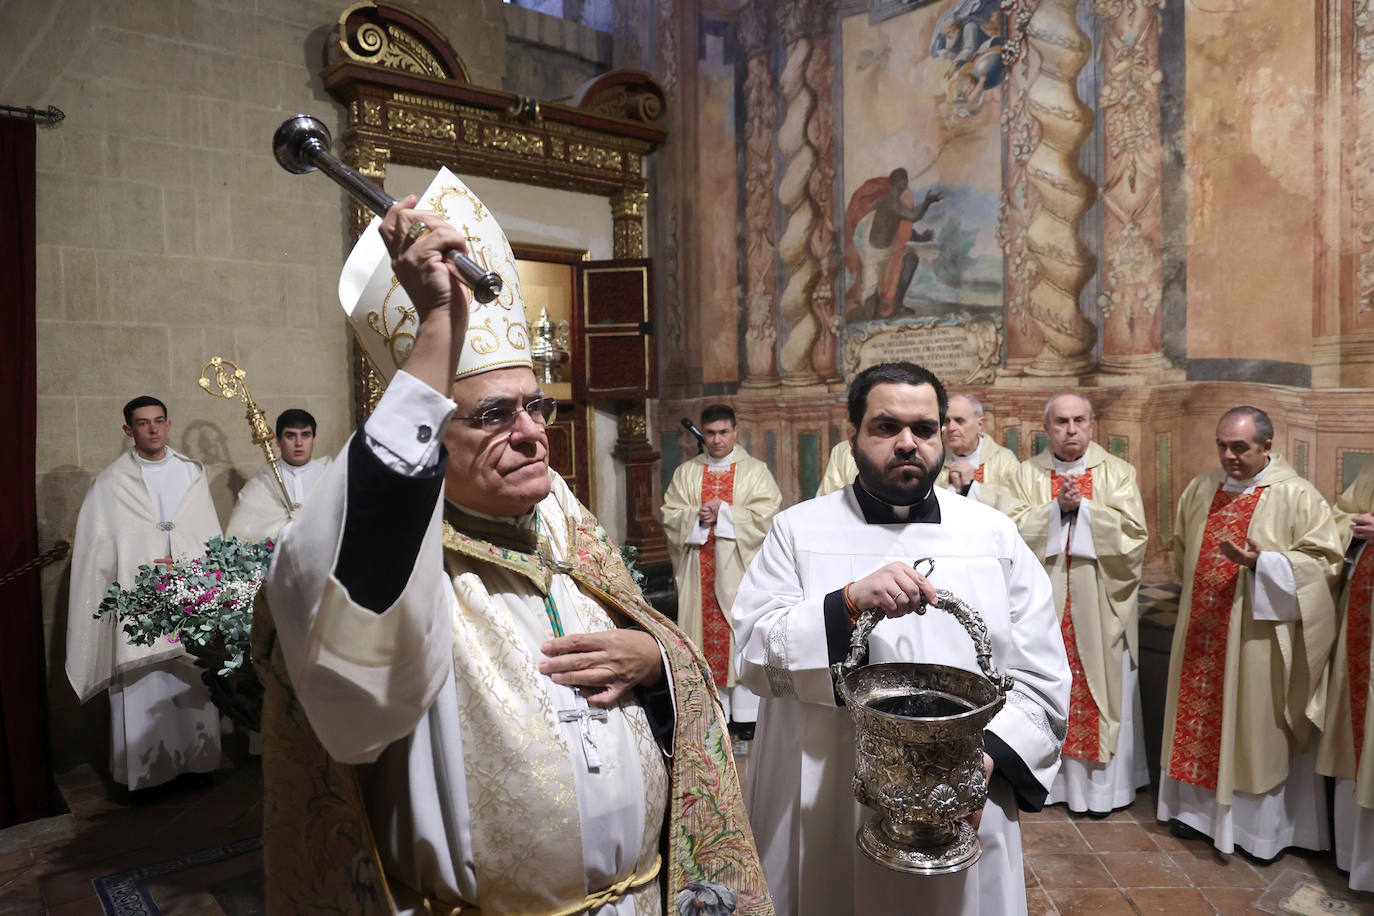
(946,600)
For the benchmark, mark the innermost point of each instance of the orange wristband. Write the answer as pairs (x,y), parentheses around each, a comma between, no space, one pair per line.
(854,612)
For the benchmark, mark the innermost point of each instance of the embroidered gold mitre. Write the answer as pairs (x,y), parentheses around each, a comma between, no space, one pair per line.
(385,320)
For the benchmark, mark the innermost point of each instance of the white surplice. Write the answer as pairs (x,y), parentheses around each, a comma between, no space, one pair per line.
(1354,834)
(799,793)
(393,690)
(162,721)
(260,511)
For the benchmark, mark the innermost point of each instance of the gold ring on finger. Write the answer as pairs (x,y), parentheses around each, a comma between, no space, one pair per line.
(417,229)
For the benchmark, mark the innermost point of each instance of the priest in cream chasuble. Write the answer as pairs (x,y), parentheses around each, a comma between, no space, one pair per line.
(1347,736)
(1257,552)
(470,707)
(975,465)
(1079,509)
(840,469)
(716,512)
(826,560)
(152,503)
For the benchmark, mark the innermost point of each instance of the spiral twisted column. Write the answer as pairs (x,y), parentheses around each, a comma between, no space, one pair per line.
(1065,192)
(820,75)
(803,216)
(760,248)
(1132,204)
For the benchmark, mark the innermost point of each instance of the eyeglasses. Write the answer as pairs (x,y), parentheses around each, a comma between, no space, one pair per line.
(498,419)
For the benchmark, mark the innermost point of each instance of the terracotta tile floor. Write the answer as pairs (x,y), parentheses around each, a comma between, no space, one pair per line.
(1130,863)
(1126,863)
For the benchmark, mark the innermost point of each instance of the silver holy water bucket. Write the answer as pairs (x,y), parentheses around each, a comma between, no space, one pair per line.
(919,748)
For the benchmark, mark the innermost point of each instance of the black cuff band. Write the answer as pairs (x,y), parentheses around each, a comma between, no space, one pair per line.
(384,525)
(1030,795)
(837,628)
(657,702)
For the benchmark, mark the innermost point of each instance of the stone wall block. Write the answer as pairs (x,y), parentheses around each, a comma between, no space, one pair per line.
(77,358)
(179,224)
(129,215)
(277,355)
(199,22)
(283,42)
(66,210)
(80,285)
(49,300)
(58,444)
(154,161)
(211,208)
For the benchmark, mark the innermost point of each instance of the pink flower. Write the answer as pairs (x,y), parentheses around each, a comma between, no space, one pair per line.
(175,637)
(219,575)
(160,587)
(270,546)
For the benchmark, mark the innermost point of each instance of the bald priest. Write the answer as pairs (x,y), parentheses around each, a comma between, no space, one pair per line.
(471,708)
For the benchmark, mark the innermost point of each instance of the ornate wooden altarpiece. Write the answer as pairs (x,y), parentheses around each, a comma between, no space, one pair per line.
(409,101)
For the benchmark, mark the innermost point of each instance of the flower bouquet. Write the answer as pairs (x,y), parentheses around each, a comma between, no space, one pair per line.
(206,604)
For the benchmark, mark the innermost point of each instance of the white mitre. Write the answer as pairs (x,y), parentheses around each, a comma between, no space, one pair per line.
(383,317)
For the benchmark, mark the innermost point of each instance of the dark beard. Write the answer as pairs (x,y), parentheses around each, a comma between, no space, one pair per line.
(896,494)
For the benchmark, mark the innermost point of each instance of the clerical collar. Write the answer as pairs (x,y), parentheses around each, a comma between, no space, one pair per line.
(1077,466)
(1245,486)
(926,510)
(971,457)
(722,462)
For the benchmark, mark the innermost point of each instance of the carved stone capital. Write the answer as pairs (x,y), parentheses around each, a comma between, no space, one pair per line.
(629,203)
(800,19)
(753,27)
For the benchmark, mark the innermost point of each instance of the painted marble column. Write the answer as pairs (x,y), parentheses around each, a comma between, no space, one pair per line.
(820,133)
(1132,207)
(673,345)
(804,143)
(760,248)
(1065,192)
(1020,137)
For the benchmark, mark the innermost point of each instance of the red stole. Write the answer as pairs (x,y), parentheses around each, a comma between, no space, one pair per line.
(1084,738)
(715,629)
(1196,754)
(978,474)
(1357,639)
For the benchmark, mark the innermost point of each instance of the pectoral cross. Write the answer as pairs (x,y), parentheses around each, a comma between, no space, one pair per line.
(583,715)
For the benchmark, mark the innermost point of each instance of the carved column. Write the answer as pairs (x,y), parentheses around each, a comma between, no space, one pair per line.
(1132,228)
(761,314)
(801,22)
(1020,136)
(369,160)
(632,448)
(820,75)
(1065,192)
(628,206)
(671,167)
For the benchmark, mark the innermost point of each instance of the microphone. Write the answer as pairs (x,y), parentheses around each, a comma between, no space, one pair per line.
(692,428)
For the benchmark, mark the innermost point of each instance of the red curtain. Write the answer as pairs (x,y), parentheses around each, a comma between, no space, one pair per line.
(23,742)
